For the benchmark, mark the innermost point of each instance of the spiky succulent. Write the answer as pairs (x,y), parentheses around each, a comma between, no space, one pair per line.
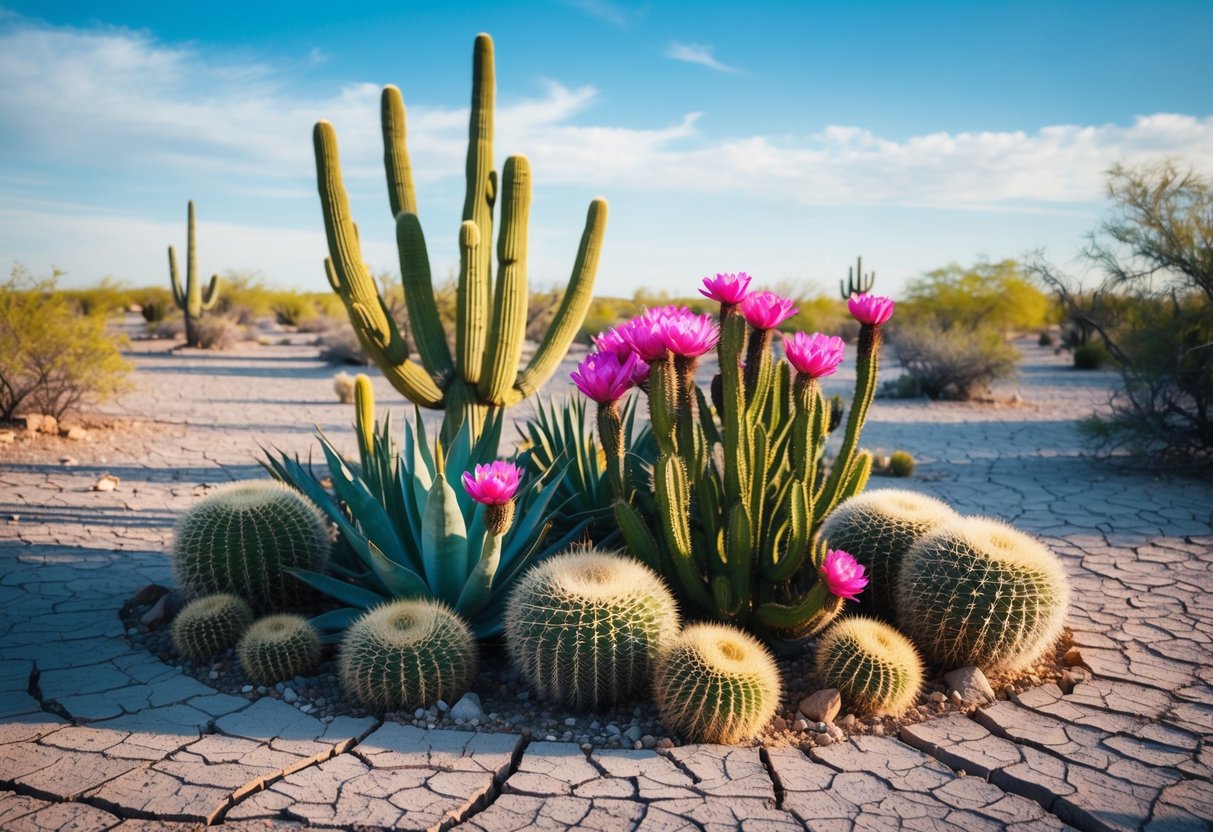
(278,647)
(584,628)
(210,624)
(978,592)
(901,464)
(877,528)
(243,538)
(714,683)
(407,654)
(875,668)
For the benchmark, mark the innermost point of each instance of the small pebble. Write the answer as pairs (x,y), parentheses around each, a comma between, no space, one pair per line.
(800,726)
(550,738)
(823,739)
(665,742)
(247,689)
(648,741)
(213,675)
(936,697)
(571,721)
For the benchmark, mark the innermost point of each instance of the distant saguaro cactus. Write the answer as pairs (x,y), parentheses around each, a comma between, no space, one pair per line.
(192,300)
(490,323)
(857,283)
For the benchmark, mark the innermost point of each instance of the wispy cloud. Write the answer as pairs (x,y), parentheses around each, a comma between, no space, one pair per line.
(602,9)
(697,53)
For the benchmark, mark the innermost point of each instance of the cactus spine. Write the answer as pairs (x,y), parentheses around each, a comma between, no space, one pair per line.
(875,668)
(857,283)
(877,528)
(407,654)
(242,539)
(490,322)
(211,624)
(716,684)
(192,299)
(584,628)
(977,591)
(277,648)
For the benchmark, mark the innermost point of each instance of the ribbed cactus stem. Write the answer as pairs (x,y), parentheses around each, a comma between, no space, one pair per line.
(473,299)
(191,298)
(481,192)
(507,327)
(401,195)
(364,414)
(844,466)
(758,351)
(610,432)
(732,342)
(664,398)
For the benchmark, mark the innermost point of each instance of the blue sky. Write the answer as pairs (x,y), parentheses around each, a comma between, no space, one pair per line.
(782,139)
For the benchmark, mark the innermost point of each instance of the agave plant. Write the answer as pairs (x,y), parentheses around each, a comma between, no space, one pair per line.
(409,530)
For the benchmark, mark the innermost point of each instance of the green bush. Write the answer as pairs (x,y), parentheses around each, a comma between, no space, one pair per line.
(1091,356)
(995,295)
(956,363)
(51,359)
(1045,340)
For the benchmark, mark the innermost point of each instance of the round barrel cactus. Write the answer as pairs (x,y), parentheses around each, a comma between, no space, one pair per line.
(277,648)
(243,537)
(210,625)
(584,628)
(875,668)
(877,528)
(714,683)
(979,592)
(407,654)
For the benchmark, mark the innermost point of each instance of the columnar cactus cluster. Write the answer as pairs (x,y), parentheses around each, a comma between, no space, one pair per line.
(739,489)
(192,299)
(490,321)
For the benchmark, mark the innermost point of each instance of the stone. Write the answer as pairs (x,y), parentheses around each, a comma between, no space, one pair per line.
(163,611)
(148,594)
(7,436)
(821,706)
(74,433)
(972,685)
(107,482)
(467,708)
(1072,657)
(39,423)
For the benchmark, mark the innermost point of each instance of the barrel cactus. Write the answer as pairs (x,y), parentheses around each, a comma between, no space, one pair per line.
(874,667)
(278,647)
(407,654)
(877,528)
(210,624)
(979,592)
(714,683)
(242,539)
(584,628)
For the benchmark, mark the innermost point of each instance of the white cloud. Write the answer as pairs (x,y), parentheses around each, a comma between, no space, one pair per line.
(695,53)
(602,9)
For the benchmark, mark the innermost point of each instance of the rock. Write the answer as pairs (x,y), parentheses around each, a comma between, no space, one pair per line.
(800,726)
(779,724)
(7,436)
(956,699)
(40,423)
(68,461)
(1072,657)
(936,698)
(149,594)
(648,741)
(108,482)
(163,611)
(972,685)
(822,706)
(289,696)
(247,689)
(634,733)
(442,706)
(878,729)
(823,739)
(467,708)
(847,721)
(665,742)
(75,433)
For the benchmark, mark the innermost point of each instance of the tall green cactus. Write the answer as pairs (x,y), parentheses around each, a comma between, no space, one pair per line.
(490,321)
(193,299)
(857,283)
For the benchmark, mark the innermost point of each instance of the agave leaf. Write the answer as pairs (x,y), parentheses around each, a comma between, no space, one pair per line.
(444,549)
(335,621)
(401,581)
(374,520)
(355,596)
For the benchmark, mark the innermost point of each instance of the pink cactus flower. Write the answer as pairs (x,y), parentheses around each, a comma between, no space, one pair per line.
(493,484)
(613,340)
(605,376)
(766,310)
(643,335)
(843,575)
(870,310)
(726,288)
(815,355)
(688,334)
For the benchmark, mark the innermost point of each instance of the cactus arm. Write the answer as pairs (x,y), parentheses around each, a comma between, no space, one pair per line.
(732,344)
(419,295)
(401,195)
(364,414)
(376,330)
(809,616)
(193,291)
(175,279)
(331,273)
(865,389)
(210,295)
(508,324)
(673,497)
(573,306)
(472,301)
(481,179)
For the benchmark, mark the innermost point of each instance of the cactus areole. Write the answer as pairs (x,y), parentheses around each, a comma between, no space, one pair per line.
(739,488)
(490,319)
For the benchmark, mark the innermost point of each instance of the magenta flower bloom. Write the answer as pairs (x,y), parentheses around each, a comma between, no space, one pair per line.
(815,355)
(643,335)
(688,334)
(843,575)
(726,288)
(766,310)
(604,376)
(493,484)
(870,310)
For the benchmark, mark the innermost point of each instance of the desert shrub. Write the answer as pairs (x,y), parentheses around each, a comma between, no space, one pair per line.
(1091,356)
(1045,340)
(343,386)
(320,324)
(995,295)
(1152,311)
(170,328)
(291,309)
(107,297)
(956,363)
(51,359)
(905,386)
(218,332)
(340,346)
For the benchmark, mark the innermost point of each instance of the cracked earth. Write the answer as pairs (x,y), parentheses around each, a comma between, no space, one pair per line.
(96,734)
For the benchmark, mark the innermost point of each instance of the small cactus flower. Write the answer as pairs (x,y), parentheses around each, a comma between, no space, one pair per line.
(643,335)
(614,340)
(766,310)
(729,289)
(605,376)
(689,335)
(493,484)
(815,355)
(843,575)
(870,310)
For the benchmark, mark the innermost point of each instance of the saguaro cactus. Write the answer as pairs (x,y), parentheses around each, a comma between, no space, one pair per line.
(193,299)
(857,283)
(490,321)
